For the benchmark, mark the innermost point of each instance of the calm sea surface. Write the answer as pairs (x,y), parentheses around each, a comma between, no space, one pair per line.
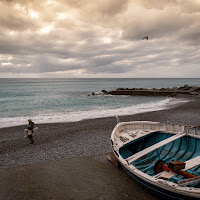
(67,100)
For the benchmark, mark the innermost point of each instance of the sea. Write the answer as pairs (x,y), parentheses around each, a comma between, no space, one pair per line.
(69,100)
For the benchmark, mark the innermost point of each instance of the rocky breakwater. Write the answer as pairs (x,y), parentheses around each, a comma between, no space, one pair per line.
(185,90)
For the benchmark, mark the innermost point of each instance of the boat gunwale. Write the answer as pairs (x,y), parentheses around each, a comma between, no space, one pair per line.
(165,184)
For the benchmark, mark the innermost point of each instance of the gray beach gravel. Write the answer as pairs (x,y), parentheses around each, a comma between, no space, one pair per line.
(84,140)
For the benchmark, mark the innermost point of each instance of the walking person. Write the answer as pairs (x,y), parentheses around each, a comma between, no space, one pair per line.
(29,130)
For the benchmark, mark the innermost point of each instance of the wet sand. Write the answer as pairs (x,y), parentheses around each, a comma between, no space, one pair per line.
(80,178)
(78,144)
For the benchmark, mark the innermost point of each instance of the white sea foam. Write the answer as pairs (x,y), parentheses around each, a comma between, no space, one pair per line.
(54,117)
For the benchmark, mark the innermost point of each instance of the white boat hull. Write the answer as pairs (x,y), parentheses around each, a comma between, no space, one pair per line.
(127,132)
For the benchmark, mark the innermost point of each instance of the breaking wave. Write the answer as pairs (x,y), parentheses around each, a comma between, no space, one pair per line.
(99,112)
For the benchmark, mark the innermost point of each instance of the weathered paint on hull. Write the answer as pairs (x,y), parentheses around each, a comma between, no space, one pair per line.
(165,194)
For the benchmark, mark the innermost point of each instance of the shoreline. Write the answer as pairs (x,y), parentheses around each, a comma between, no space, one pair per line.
(57,141)
(173,102)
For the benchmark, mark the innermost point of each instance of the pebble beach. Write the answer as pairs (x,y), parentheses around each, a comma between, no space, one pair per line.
(57,141)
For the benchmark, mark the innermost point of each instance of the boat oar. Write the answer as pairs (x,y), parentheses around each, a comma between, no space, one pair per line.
(174,166)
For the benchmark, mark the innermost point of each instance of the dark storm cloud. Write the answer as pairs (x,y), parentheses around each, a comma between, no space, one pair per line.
(14,23)
(99,37)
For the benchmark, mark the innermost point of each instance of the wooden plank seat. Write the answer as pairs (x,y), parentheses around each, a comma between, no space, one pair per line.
(189,164)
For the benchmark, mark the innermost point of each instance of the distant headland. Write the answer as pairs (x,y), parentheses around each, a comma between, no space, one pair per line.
(185,90)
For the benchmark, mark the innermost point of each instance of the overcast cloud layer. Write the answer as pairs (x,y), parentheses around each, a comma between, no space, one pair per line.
(99,38)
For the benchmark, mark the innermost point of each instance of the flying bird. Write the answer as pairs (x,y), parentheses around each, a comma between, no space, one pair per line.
(146,38)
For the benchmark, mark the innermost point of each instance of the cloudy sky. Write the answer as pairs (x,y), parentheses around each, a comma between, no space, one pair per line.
(99,38)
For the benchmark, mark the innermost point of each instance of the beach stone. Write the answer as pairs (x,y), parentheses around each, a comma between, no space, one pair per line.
(57,141)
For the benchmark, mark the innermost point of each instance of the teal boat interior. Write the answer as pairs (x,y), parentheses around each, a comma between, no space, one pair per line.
(181,149)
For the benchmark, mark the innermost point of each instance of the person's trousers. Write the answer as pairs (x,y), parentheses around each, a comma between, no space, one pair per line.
(31,138)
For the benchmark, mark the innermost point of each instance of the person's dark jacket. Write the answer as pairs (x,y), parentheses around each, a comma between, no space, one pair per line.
(30,126)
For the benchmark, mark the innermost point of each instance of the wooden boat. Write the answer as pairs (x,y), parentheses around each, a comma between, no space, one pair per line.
(165,158)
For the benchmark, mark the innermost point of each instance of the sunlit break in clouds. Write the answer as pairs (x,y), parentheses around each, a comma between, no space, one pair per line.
(101,38)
